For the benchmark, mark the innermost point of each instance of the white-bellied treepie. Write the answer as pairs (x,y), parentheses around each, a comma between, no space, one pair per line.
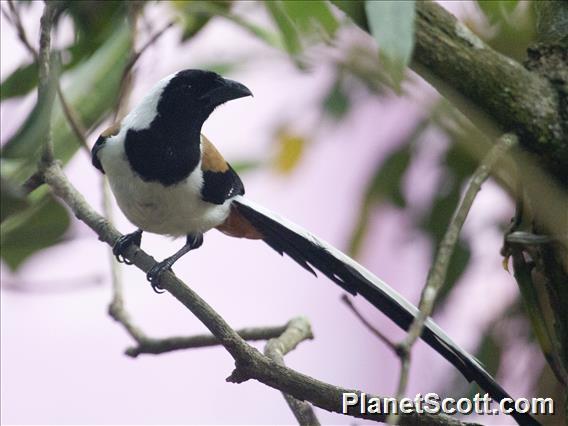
(169,179)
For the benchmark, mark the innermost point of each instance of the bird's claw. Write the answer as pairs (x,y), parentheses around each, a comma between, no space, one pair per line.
(155,273)
(123,243)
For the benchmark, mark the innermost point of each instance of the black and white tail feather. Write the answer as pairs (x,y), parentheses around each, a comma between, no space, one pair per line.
(311,252)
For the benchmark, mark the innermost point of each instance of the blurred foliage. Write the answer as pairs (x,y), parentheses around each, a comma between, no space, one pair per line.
(336,102)
(98,68)
(12,199)
(94,24)
(40,226)
(92,68)
(511,26)
(196,14)
(392,25)
(20,82)
(385,186)
(291,148)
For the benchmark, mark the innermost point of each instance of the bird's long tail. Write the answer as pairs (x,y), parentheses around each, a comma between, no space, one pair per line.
(311,252)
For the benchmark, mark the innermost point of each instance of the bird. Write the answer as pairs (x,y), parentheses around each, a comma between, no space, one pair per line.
(169,179)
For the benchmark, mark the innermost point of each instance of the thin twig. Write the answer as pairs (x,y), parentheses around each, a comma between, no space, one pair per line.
(367,324)
(45,91)
(438,272)
(7,15)
(437,275)
(33,182)
(297,331)
(17,22)
(136,55)
(126,79)
(73,119)
(148,345)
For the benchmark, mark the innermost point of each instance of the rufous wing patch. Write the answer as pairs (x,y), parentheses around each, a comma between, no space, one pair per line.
(237,226)
(212,160)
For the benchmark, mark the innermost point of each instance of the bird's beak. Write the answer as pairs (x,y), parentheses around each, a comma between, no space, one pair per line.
(228,91)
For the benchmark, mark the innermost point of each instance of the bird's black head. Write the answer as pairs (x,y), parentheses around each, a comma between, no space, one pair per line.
(194,94)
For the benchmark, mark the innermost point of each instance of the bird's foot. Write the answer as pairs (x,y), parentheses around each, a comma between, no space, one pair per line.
(123,243)
(155,273)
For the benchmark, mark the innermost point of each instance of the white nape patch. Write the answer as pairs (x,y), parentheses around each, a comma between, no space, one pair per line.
(144,113)
(368,275)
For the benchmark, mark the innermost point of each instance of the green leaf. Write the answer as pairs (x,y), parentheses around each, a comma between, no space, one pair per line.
(197,14)
(458,166)
(312,17)
(336,103)
(92,92)
(222,68)
(25,143)
(12,199)
(20,82)
(354,9)
(263,34)
(291,147)
(386,185)
(95,21)
(458,263)
(287,29)
(497,10)
(244,166)
(392,25)
(36,228)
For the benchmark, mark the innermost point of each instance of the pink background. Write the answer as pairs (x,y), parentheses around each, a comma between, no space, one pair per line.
(62,355)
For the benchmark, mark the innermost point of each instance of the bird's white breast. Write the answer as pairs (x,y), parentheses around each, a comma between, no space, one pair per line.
(174,210)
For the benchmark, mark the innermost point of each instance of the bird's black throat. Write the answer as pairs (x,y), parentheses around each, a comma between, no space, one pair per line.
(166,152)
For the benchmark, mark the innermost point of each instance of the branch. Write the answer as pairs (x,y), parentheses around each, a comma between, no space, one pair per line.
(73,119)
(126,79)
(15,19)
(438,272)
(45,89)
(367,324)
(136,55)
(298,330)
(437,275)
(148,345)
(471,74)
(250,363)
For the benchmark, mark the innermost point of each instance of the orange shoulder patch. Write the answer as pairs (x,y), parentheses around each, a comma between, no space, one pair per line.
(111,131)
(212,160)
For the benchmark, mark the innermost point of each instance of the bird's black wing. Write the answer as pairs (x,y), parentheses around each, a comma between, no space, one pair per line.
(220,186)
(220,181)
